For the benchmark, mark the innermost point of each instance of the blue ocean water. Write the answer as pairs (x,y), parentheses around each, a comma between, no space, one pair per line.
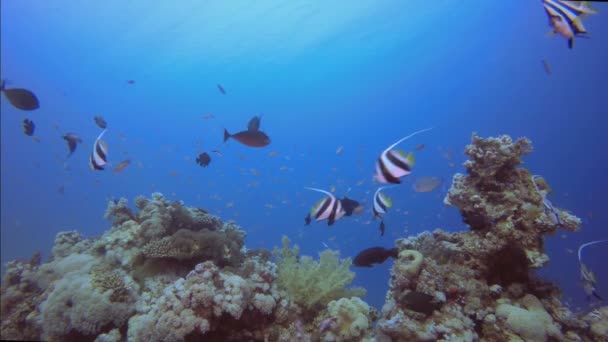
(357,75)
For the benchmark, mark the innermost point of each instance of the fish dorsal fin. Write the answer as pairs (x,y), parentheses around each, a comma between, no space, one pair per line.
(580,249)
(321,191)
(382,188)
(100,135)
(405,138)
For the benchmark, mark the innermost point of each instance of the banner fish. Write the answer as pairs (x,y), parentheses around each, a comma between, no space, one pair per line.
(99,156)
(381,202)
(394,164)
(328,208)
(20,98)
(566,18)
(587,277)
(374,255)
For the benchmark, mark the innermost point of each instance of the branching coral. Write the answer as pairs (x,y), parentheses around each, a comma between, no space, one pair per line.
(314,284)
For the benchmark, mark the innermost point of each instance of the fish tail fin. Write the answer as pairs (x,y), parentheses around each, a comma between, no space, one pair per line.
(394,253)
(226,135)
(570,43)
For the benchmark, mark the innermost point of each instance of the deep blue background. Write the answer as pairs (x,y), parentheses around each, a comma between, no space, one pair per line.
(354,74)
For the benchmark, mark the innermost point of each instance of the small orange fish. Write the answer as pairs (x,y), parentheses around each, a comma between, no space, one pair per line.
(122,165)
(420,147)
(273,154)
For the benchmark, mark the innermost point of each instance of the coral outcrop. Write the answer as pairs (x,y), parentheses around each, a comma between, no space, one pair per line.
(167,272)
(480,284)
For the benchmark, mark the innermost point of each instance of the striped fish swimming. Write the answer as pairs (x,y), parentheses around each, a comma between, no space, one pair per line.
(99,156)
(381,202)
(565,17)
(394,164)
(328,208)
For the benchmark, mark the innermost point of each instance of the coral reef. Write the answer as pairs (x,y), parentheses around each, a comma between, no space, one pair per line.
(168,272)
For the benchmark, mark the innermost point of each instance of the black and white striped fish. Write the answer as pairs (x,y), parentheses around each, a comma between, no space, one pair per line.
(99,155)
(381,202)
(394,164)
(565,17)
(328,208)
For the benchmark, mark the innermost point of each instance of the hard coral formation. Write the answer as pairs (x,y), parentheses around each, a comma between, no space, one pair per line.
(501,202)
(483,277)
(314,284)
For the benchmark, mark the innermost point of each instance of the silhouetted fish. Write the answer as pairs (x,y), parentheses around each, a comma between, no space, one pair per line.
(221,89)
(99,120)
(374,255)
(351,206)
(420,302)
(20,98)
(73,140)
(28,127)
(203,159)
(251,138)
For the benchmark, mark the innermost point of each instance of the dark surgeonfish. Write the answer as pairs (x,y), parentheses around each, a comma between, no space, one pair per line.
(28,127)
(251,138)
(374,255)
(99,120)
(420,302)
(73,140)
(351,206)
(99,156)
(328,208)
(394,164)
(254,123)
(565,17)
(203,159)
(221,89)
(20,98)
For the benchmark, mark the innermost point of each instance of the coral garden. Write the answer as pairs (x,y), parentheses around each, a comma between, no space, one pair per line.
(168,272)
